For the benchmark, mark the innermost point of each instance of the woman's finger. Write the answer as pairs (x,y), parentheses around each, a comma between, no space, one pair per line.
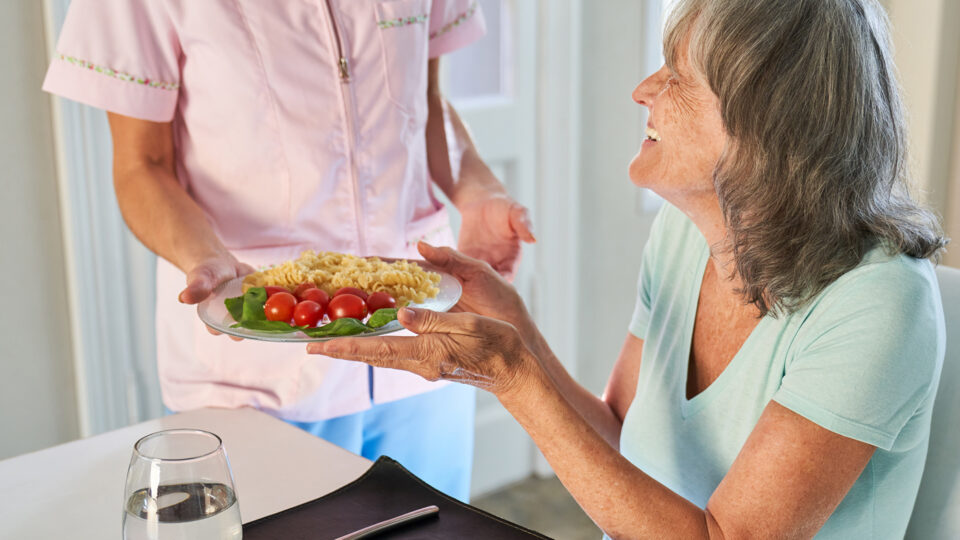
(425,321)
(521,224)
(379,351)
(449,259)
(436,256)
(405,353)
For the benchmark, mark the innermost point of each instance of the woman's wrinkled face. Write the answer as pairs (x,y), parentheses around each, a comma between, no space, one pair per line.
(685,134)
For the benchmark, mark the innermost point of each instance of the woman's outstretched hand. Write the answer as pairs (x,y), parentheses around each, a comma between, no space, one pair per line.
(485,291)
(461,347)
(481,342)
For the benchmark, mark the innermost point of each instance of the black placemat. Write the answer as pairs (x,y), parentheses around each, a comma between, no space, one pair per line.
(386,490)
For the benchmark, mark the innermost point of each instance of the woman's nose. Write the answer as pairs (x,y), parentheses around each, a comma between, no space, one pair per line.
(647,90)
(639,97)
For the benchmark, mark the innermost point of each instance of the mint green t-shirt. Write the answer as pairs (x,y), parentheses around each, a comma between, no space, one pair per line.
(862,359)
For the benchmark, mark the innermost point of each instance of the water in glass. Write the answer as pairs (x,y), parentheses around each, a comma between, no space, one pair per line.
(179,487)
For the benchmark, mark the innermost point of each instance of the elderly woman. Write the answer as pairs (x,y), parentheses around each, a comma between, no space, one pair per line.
(781,364)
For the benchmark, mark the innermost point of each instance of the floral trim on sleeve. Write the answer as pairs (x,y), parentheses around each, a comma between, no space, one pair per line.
(456,22)
(119,74)
(403,21)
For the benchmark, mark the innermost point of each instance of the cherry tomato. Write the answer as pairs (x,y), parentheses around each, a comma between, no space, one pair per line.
(301,288)
(347,305)
(351,290)
(307,313)
(316,295)
(272,290)
(380,300)
(279,307)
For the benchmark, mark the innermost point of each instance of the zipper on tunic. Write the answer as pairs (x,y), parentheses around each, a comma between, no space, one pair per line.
(342,61)
(349,113)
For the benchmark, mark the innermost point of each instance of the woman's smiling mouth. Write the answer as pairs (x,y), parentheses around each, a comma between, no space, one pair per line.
(652,134)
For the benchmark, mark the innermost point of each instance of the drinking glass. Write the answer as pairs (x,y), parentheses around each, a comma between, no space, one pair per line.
(179,487)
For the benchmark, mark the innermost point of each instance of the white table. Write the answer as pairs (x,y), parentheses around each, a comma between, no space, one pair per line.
(75,490)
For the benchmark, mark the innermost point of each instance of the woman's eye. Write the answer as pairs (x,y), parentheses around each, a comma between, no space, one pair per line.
(669,82)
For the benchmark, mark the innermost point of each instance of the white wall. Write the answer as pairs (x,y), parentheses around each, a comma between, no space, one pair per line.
(953,190)
(37,398)
(926,36)
(614,227)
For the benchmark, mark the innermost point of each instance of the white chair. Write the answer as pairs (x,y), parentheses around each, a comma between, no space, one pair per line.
(936,515)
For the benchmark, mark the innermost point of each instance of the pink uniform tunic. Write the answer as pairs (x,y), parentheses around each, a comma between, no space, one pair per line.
(299,124)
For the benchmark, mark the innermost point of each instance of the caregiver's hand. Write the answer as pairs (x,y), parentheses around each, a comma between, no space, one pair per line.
(492,229)
(485,292)
(207,275)
(461,347)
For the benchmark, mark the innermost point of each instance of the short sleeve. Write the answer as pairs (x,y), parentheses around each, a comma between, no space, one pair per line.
(640,321)
(454,24)
(869,352)
(118,55)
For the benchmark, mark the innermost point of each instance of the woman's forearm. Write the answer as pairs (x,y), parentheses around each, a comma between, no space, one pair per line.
(620,498)
(595,411)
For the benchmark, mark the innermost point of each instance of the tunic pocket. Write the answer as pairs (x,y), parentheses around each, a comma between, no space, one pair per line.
(404,37)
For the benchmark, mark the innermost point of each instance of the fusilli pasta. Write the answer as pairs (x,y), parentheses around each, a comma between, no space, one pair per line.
(404,280)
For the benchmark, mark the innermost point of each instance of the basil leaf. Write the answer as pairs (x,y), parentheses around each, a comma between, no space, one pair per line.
(247,310)
(340,327)
(382,317)
(235,307)
(253,301)
(272,327)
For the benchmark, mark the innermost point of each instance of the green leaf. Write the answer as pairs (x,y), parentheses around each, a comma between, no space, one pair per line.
(235,307)
(253,301)
(382,317)
(247,310)
(272,327)
(340,327)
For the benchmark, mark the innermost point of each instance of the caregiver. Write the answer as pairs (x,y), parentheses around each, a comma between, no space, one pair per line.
(245,132)
(779,372)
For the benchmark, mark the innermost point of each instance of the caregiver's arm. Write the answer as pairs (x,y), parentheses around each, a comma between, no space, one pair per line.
(475,180)
(160,212)
(492,224)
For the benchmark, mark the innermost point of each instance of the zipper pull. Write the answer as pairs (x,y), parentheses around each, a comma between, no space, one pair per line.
(344,70)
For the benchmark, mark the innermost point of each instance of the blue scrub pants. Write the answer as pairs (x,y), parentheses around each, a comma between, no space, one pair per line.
(430,434)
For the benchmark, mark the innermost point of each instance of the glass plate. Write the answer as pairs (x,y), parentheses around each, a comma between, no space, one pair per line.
(214,313)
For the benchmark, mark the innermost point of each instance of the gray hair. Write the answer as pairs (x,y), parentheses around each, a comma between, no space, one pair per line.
(815,174)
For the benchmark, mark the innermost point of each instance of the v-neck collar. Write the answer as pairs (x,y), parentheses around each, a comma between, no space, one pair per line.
(689,407)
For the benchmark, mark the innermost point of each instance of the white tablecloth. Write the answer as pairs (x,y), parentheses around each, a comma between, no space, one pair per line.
(75,490)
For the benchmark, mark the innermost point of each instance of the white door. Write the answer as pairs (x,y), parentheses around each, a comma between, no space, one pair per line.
(492,84)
